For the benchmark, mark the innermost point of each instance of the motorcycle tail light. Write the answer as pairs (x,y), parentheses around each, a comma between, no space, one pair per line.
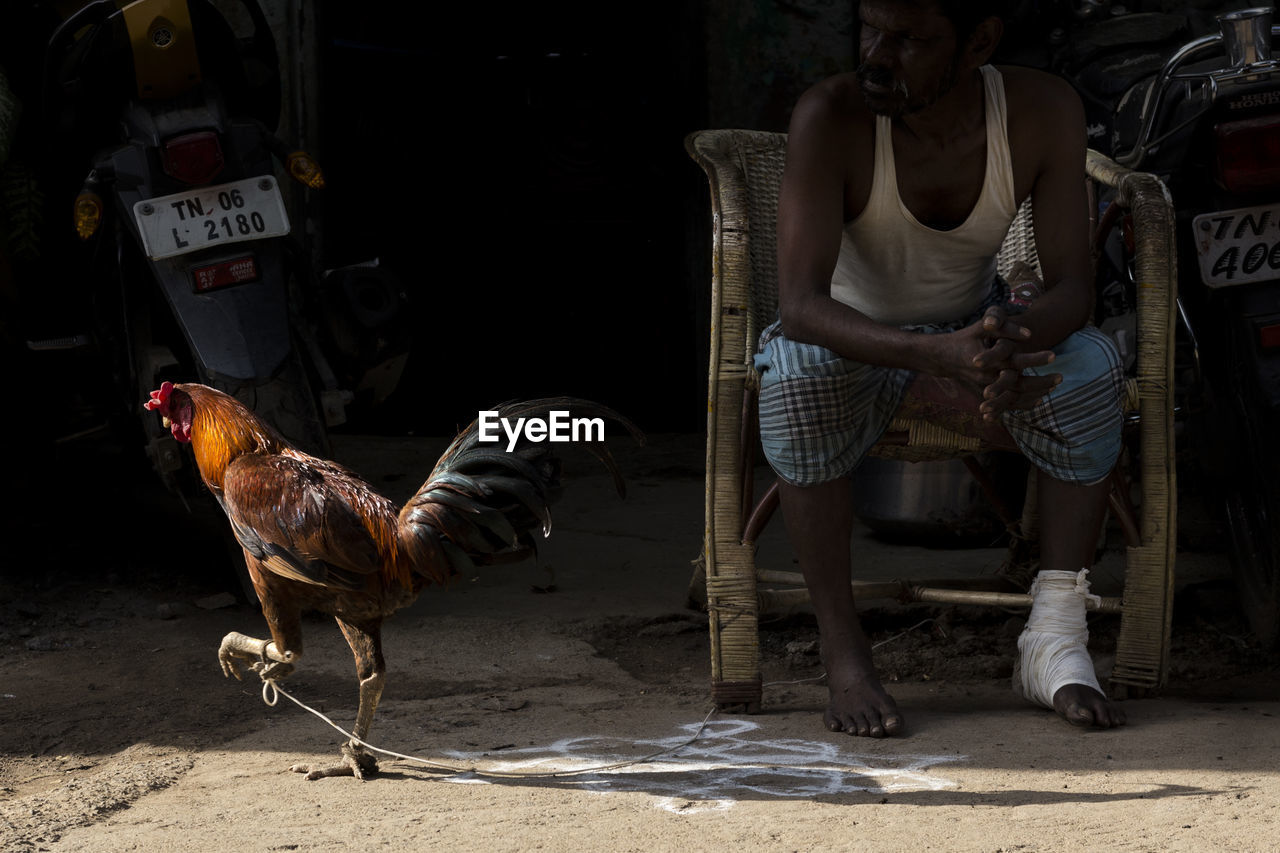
(1269,336)
(193,158)
(1249,154)
(305,170)
(87,214)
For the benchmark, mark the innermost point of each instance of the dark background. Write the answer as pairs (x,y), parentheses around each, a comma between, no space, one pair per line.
(521,167)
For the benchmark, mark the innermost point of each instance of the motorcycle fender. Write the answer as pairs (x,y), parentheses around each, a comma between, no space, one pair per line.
(241,332)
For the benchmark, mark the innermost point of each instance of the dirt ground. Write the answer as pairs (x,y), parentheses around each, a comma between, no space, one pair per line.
(118,731)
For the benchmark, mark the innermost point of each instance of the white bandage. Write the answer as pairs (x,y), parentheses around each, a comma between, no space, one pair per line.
(1052,648)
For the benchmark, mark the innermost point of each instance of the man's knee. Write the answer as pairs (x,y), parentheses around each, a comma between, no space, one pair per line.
(1088,357)
(820,413)
(1074,434)
(805,445)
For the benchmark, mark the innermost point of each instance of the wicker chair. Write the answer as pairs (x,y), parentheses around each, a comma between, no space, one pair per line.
(744,169)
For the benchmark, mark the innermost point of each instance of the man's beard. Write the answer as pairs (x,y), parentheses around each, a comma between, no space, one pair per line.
(896,100)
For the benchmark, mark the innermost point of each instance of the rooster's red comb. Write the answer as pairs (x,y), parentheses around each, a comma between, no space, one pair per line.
(159,398)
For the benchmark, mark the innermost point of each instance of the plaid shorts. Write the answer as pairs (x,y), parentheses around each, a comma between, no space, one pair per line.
(820,413)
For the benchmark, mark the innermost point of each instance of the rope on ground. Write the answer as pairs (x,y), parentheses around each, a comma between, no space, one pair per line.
(272,691)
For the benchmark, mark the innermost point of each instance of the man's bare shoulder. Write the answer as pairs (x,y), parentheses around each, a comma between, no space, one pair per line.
(1046,125)
(831,135)
(1046,122)
(831,105)
(1045,98)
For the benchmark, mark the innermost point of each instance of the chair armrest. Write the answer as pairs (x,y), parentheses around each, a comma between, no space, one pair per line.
(1147,199)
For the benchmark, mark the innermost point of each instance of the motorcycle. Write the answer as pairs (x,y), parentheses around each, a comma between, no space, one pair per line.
(183,249)
(183,213)
(1208,123)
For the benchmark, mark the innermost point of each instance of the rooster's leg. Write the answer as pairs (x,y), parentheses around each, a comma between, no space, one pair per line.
(263,655)
(365,640)
(274,658)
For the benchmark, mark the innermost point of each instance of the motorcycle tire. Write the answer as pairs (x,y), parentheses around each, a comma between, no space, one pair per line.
(1252,504)
(1248,487)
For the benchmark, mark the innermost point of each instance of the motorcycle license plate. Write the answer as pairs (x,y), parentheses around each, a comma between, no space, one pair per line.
(1238,246)
(211,216)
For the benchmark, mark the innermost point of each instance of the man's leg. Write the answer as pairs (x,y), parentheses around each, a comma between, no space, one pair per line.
(1073,438)
(1070,518)
(819,414)
(819,523)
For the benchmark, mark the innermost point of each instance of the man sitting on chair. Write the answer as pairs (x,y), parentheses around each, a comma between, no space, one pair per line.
(901,181)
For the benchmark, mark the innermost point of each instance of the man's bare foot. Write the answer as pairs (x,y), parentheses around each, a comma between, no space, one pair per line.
(860,706)
(819,521)
(1081,705)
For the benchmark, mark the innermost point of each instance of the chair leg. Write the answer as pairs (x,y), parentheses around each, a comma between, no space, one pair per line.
(1023,557)
(748,435)
(988,486)
(1122,507)
(761,515)
(696,596)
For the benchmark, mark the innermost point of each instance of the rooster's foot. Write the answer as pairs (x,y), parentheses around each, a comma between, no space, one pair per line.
(261,656)
(355,762)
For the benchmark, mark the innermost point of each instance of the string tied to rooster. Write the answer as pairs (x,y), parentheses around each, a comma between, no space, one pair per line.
(272,691)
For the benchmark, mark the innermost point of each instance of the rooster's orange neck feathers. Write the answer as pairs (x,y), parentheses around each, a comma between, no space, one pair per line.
(223,428)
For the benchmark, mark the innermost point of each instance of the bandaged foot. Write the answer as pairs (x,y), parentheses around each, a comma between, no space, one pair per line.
(1052,648)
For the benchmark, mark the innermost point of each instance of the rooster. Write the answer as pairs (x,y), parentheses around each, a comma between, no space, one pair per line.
(318,537)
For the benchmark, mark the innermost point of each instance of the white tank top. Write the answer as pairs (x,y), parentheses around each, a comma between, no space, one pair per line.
(898,271)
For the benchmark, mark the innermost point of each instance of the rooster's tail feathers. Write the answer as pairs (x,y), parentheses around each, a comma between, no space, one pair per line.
(468,446)
(481,503)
